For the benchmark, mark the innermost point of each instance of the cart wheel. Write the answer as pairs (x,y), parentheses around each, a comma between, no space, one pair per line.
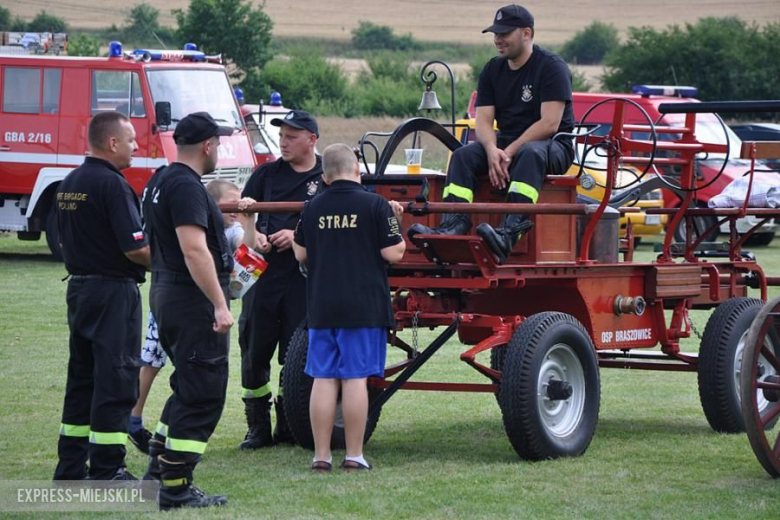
(760,386)
(297,391)
(720,362)
(550,389)
(497,357)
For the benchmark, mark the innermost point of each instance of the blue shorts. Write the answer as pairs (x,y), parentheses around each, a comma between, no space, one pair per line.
(346,353)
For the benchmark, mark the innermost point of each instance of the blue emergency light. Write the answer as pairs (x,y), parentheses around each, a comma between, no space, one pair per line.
(147,55)
(115,50)
(239,95)
(276,99)
(665,90)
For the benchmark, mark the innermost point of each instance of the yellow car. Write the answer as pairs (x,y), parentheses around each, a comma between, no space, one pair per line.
(592,183)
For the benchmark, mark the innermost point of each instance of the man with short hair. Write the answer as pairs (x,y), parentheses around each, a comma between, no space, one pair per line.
(527,91)
(190,267)
(349,309)
(276,305)
(106,254)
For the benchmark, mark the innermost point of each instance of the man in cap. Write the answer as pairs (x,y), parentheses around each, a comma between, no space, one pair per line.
(276,305)
(527,91)
(190,267)
(106,254)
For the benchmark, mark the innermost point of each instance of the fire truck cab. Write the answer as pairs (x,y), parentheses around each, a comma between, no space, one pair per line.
(46,103)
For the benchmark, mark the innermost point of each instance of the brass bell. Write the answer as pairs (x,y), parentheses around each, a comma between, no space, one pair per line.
(429,101)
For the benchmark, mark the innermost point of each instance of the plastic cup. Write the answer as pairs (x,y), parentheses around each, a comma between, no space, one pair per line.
(413,159)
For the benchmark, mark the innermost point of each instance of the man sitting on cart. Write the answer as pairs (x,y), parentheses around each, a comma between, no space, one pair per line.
(527,90)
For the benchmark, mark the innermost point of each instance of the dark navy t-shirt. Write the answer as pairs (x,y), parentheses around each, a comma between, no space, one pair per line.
(98,218)
(517,95)
(175,196)
(343,230)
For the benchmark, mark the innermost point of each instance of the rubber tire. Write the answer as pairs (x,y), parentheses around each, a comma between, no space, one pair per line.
(53,236)
(497,358)
(527,350)
(718,389)
(760,239)
(297,392)
(704,222)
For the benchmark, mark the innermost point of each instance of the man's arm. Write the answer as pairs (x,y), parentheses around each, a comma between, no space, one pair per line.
(201,266)
(393,254)
(141,256)
(300,253)
(544,128)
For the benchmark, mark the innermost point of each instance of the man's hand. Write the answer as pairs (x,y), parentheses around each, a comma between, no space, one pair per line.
(397,207)
(282,240)
(263,245)
(223,319)
(245,202)
(498,167)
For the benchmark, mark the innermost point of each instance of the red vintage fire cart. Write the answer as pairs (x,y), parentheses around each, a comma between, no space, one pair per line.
(569,300)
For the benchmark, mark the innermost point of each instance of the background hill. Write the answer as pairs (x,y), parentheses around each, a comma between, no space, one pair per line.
(432,20)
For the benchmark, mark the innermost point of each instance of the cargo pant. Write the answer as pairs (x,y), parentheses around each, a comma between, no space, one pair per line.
(199,356)
(104,316)
(529,166)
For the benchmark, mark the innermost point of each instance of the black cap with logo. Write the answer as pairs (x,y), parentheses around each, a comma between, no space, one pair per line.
(197,127)
(509,18)
(299,119)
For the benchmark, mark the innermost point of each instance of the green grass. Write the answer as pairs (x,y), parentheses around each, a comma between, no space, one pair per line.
(436,455)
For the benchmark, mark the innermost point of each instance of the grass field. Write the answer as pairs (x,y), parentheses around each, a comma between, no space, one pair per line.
(436,455)
(432,20)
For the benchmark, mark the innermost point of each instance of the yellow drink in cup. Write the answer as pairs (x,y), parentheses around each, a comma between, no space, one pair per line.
(413,160)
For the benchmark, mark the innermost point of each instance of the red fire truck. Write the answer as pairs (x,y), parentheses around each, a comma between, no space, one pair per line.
(47,103)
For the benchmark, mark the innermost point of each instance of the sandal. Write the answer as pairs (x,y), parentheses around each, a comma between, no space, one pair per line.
(321,466)
(353,465)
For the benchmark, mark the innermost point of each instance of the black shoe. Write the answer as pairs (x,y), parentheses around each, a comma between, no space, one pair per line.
(258,418)
(282,433)
(122,474)
(500,241)
(156,448)
(188,496)
(140,439)
(451,224)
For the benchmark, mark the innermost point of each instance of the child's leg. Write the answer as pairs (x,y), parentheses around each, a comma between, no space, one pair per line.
(145,380)
(322,412)
(354,407)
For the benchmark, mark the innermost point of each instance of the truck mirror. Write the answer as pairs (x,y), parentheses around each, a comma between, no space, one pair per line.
(162,111)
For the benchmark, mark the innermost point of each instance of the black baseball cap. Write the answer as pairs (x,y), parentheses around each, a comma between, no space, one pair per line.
(509,18)
(197,127)
(299,119)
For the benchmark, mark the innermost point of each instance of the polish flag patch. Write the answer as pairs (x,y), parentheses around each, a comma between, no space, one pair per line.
(138,236)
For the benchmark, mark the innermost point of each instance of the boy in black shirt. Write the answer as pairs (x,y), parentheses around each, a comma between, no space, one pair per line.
(349,307)
(527,91)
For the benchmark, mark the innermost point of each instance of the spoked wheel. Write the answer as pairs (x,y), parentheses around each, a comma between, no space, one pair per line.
(760,387)
(550,388)
(297,394)
(720,362)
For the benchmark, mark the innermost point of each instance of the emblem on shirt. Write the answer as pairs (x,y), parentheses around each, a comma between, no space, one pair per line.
(395,228)
(527,94)
(311,188)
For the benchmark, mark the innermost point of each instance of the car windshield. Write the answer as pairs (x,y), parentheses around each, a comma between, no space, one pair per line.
(195,90)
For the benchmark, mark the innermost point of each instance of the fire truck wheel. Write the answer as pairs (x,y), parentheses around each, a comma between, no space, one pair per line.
(297,389)
(760,386)
(550,389)
(720,363)
(497,357)
(53,236)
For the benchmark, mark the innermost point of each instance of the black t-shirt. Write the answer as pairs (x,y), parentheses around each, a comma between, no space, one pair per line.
(278,182)
(343,230)
(175,196)
(517,95)
(99,220)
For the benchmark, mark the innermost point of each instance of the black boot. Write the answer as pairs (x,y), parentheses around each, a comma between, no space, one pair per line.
(156,448)
(451,224)
(501,240)
(282,433)
(258,418)
(177,488)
